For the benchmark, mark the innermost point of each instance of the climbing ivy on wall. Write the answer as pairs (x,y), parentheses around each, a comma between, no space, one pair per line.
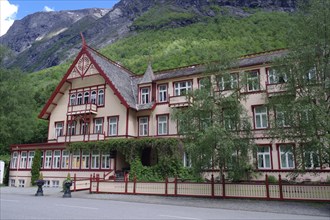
(168,150)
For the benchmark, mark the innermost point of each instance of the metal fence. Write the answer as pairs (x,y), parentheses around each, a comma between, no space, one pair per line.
(257,190)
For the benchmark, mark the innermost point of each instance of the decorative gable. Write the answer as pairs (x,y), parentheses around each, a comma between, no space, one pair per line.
(83,67)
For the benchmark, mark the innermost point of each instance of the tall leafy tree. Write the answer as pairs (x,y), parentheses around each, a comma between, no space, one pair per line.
(302,111)
(16,109)
(215,126)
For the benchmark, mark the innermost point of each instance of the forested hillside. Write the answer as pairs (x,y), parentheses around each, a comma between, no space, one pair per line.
(156,40)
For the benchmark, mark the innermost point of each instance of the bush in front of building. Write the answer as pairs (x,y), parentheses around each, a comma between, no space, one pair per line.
(35,169)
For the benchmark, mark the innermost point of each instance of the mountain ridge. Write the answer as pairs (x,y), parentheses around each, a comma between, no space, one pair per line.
(52,38)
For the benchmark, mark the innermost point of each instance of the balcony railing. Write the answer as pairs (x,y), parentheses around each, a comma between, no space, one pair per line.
(83,137)
(178,101)
(82,109)
(273,89)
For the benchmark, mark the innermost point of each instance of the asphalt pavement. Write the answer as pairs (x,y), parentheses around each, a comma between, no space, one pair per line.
(283,207)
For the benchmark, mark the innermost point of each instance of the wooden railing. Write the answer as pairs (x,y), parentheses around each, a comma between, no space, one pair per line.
(260,190)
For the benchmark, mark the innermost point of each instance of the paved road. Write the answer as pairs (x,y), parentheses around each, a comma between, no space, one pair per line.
(18,203)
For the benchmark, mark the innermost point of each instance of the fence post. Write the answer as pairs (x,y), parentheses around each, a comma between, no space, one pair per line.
(134,186)
(223,186)
(280,186)
(267,186)
(90,184)
(126,183)
(97,183)
(74,182)
(176,186)
(212,186)
(166,184)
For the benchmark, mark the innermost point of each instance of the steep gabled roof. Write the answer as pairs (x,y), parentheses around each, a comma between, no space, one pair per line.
(117,77)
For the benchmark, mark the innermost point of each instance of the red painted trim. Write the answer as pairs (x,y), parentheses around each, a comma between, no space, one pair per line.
(108,81)
(59,86)
(127,120)
(102,124)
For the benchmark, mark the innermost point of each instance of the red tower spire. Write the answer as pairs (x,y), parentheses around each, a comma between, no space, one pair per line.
(83,40)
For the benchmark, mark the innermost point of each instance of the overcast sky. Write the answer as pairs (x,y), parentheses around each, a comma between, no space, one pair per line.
(11,10)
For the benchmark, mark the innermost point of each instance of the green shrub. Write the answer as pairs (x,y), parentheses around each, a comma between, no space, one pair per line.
(36,165)
(272,179)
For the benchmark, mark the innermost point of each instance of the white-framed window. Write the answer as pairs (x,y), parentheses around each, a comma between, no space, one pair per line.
(311,159)
(56,160)
(98,125)
(86,97)
(100,99)
(84,127)
(228,82)
(72,127)
(282,119)
(55,183)
(13,162)
(79,99)
(23,160)
(287,157)
(75,162)
(186,160)
(12,183)
(162,124)
(30,159)
(263,157)
(48,159)
(181,88)
(72,99)
(95,159)
(145,95)
(274,77)
(58,129)
(260,117)
(85,159)
(105,160)
(93,97)
(65,159)
(143,126)
(21,183)
(113,126)
(253,83)
(162,93)
(47,183)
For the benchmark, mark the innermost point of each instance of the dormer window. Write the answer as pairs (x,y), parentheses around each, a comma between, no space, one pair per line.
(101,97)
(79,99)
(145,95)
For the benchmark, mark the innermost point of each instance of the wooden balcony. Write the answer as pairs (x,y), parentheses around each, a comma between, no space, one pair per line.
(178,101)
(82,109)
(86,137)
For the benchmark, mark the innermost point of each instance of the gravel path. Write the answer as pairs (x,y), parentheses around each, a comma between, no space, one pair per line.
(288,207)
